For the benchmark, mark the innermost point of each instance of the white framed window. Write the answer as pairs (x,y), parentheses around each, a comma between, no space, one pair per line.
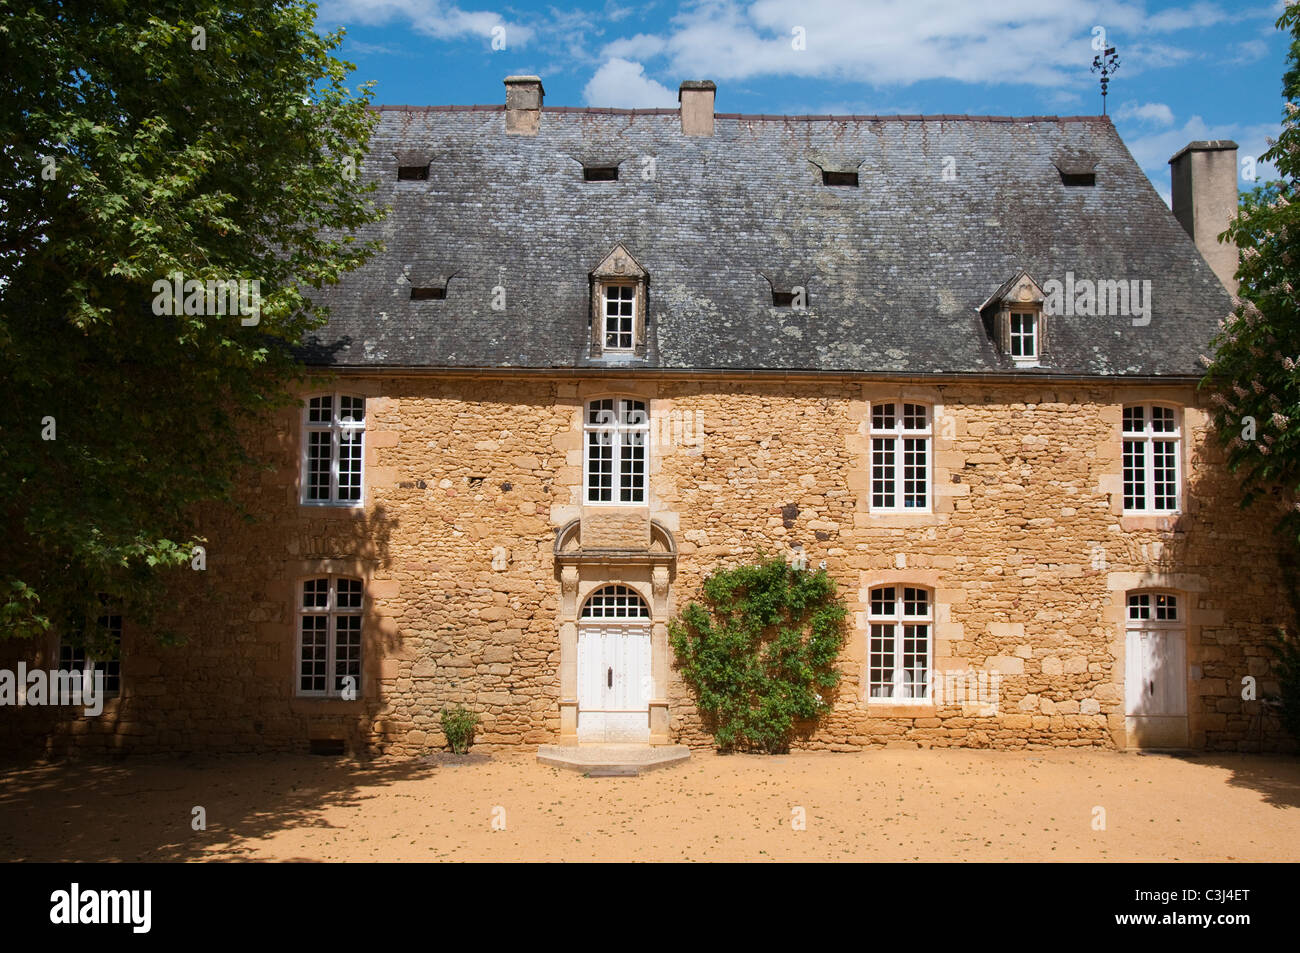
(900,457)
(1151,468)
(329,637)
(617,451)
(619,310)
(77,660)
(333,450)
(1024,337)
(1147,607)
(616,602)
(900,647)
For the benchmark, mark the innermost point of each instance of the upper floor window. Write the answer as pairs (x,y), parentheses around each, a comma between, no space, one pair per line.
(900,646)
(620,303)
(333,438)
(1024,337)
(329,637)
(900,456)
(1150,459)
(104,657)
(619,296)
(617,437)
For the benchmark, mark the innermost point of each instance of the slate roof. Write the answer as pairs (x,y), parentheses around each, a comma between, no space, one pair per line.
(895,268)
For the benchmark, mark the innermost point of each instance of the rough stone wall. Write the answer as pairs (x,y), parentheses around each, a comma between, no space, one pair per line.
(467,481)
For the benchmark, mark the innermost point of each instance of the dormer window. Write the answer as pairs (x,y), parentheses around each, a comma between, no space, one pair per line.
(428,294)
(1024,337)
(413,164)
(413,173)
(1079,179)
(600,173)
(618,306)
(1015,316)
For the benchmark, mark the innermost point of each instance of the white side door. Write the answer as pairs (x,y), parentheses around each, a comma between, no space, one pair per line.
(1155,687)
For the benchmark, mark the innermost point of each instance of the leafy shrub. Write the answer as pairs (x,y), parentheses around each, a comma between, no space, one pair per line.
(761,651)
(458,725)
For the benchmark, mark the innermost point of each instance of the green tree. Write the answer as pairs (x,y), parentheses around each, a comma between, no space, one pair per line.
(761,651)
(217,140)
(1254,375)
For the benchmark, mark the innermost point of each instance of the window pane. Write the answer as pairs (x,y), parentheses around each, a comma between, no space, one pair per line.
(316,594)
(1162,420)
(882,472)
(915,679)
(616,602)
(352,409)
(632,470)
(1139,606)
(320,410)
(914,416)
(1135,493)
(347,653)
(1134,420)
(600,468)
(882,416)
(349,465)
(880,662)
(883,601)
(349,594)
(318,464)
(312,647)
(916,602)
(1164,469)
(1166,608)
(915,452)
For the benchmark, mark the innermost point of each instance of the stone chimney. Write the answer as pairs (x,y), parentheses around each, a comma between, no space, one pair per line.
(523,105)
(696,97)
(1204,177)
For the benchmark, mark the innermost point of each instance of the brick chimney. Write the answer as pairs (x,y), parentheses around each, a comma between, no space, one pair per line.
(696,97)
(1204,177)
(523,105)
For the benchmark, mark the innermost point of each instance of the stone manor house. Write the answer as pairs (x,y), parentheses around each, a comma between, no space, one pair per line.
(952,359)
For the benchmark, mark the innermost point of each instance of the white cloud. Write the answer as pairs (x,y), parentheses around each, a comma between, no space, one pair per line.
(623,84)
(433,18)
(1157,114)
(1154,150)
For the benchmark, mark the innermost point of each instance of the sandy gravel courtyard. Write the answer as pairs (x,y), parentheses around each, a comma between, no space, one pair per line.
(875,805)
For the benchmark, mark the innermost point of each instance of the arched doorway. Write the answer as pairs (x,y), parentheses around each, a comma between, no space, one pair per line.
(615,678)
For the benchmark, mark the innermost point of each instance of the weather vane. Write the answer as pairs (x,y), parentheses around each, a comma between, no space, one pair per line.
(1106,62)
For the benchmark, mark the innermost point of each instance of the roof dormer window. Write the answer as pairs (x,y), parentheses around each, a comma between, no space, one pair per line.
(1023,332)
(413,173)
(600,173)
(618,306)
(1016,318)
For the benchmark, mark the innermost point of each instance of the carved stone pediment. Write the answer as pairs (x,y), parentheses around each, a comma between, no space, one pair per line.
(619,263)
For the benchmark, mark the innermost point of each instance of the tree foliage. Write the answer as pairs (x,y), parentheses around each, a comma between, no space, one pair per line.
(218,140)
(761,651)
(1254,374)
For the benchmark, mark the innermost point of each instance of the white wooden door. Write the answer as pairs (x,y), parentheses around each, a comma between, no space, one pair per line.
(1155,687)
(614,683)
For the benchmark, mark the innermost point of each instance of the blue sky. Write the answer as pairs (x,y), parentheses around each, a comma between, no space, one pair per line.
(1190,70)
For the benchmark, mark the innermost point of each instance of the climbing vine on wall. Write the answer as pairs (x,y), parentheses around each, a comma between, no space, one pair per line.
(759,650)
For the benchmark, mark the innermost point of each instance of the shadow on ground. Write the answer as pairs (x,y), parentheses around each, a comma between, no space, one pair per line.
(88,809)
(1275,777)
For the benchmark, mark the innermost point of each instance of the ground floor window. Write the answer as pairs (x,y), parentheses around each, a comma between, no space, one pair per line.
(329,637)
(899,650)
(106,660)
